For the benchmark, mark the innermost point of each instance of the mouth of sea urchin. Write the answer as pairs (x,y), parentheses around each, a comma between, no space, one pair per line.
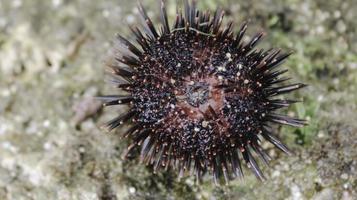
(197,93)
(200,97)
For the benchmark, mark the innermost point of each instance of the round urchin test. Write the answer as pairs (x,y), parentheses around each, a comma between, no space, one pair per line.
(200,98)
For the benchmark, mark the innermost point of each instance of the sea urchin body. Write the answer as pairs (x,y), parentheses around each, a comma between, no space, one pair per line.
(200,98)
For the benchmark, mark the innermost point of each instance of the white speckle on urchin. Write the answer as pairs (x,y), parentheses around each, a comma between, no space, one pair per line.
(196,129)
(221,68)
(229,56)
(172,106)
(204,124)
(240,66)
(246,81)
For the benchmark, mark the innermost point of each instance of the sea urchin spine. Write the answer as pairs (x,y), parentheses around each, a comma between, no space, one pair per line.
(200,98)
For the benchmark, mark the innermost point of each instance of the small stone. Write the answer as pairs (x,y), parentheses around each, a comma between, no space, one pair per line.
(346,186)
(82,149)
(46,123)
(326,194)
(276,173)
(47,146)
(344,176)
(132,190)
(320,134)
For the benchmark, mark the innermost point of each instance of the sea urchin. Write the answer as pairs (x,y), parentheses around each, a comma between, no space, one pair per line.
(200,98)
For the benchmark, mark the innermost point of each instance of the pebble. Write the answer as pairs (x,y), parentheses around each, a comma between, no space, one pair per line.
(132,190)
(276,173)
(344,176)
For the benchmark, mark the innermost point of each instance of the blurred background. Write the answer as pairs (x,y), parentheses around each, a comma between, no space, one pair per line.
(52,56)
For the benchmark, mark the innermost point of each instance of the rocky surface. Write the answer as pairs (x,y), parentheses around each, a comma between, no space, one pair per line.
(51,65)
